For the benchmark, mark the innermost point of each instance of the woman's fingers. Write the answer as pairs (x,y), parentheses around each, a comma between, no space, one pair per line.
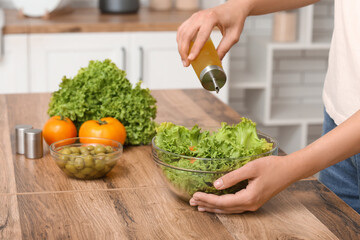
(229,39)
(198,27)
(201,37)
(223,201)
(230,203)
(236,176)
(208,20)
(184,35)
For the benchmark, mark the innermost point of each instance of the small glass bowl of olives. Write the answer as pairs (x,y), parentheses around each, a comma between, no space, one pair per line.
(85,157)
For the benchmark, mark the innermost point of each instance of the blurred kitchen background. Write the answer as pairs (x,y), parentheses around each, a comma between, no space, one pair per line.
(276,70)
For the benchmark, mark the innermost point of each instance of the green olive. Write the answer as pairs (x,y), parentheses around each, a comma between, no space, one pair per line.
(79,163)
(98,175)
(88,160)
(72,157)
(75,150)
(71,160)
(93,152)
(100,149)
(101,158)
(64,158)
(92,174)
(110,162)
(61,163)
(107,159)
(90,147)
(67,172)
(71,168)
(99,164)
(65,151)
(83,150)
(109,149)
(86,171)
(106,169)
(79,175)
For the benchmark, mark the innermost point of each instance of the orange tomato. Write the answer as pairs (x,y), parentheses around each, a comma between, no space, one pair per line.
(58,128)
(108,127)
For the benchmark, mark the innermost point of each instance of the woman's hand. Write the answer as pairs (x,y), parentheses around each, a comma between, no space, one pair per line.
(267,177)
(228,17)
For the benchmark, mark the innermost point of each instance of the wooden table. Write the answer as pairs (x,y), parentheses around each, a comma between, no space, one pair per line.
(39,202)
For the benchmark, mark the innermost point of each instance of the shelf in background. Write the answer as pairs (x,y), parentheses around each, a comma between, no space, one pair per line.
(299,46)
(260,61)
(248,81)
(290,114)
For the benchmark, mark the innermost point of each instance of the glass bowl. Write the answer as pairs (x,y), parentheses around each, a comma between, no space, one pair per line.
(185,181)
(86,157)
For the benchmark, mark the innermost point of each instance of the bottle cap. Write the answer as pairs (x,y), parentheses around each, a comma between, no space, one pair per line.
(19,138)
(33,143)
(213,78)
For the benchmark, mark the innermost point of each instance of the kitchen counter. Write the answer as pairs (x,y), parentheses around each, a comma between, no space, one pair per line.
(39,202)
(91,20)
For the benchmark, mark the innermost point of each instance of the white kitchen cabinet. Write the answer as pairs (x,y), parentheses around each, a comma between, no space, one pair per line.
(160,66)
(148,56)
(54,55)
(13,64)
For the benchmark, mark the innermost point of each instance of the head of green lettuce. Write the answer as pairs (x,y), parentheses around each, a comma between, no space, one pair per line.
(239,141)
(102,90)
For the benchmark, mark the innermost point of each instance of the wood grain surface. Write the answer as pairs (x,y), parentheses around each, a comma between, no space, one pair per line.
(91,20)
(132,202)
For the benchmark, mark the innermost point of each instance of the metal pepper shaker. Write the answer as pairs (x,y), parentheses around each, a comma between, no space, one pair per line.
(33,143)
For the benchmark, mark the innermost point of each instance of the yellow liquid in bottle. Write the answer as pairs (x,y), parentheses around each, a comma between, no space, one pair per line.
(207,56)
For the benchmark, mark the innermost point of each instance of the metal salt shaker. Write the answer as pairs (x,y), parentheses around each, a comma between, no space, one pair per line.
(20,137)
(33,143)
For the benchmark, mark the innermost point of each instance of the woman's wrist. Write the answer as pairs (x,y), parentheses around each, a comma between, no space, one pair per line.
(309,160)
(243,6)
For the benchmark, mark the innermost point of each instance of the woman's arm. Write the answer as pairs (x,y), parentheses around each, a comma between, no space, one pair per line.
(269,175)
(229,18)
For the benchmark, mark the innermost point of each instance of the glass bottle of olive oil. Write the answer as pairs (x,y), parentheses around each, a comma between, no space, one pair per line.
(208,68)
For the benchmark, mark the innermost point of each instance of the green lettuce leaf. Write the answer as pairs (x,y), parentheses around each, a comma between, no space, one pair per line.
(230,141)
(102,90)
